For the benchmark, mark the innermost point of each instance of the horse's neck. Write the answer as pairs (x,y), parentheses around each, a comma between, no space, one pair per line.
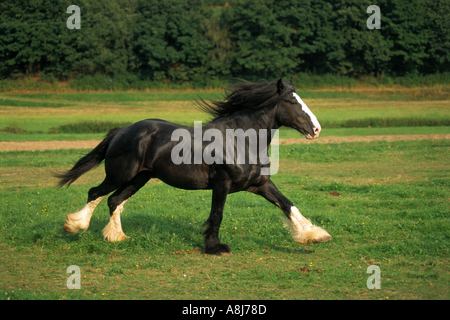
(257,119)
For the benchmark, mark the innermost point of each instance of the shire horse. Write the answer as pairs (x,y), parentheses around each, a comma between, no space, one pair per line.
(135,154)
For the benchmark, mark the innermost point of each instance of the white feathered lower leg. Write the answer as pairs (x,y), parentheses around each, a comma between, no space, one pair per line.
(303,231)
(113,230)
(80,220)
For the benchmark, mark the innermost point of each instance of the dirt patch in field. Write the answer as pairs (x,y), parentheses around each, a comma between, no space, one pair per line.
(47,145)
(89,144)
(335,193)
(368,138)
(195,251)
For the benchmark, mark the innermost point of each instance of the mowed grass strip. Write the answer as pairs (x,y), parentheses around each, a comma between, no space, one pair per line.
(34,124)
(384,203)
(36,114)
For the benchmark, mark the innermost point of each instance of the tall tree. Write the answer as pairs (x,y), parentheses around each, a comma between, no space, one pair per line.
(267,35)
(32,38)
(437,13)
(169,39)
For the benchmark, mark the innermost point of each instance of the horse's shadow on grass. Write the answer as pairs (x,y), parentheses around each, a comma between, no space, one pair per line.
(148,229)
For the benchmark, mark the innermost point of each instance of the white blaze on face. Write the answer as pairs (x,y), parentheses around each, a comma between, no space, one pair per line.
(311,115)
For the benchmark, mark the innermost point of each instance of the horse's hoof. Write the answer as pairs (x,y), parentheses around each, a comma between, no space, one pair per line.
(112,235)
(323,239)
(319,235)
(75,222)
(217,249)
(68,228)
(116,237)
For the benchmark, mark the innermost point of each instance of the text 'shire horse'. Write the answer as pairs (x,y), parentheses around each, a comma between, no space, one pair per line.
(135,154)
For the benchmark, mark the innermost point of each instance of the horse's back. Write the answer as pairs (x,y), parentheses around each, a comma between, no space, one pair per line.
(135,136)
(126,151)
(147,145)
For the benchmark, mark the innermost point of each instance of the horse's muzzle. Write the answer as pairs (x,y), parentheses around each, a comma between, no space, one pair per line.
(316,133)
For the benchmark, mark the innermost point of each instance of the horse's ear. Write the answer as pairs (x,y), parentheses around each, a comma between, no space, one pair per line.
(280,85)
(291,80)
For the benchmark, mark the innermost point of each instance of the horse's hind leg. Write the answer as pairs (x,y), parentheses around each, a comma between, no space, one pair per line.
(113,230)
(80,220)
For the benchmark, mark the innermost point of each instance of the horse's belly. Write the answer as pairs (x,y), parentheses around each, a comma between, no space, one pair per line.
(183,176)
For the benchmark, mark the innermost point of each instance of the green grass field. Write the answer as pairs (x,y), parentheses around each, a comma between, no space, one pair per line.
(36,114)
(384,203)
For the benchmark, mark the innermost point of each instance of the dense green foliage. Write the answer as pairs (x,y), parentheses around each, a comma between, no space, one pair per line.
(88,127)
(122,43)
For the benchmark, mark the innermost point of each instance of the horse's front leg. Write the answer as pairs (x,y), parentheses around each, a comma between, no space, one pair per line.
(302,230)
(211,234)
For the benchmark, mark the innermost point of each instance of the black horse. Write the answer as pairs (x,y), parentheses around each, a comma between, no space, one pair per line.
(144,150)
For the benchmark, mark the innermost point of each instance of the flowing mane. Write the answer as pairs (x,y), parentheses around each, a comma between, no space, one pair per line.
(246,95)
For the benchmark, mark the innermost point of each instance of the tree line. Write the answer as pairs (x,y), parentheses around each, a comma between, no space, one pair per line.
(200,40)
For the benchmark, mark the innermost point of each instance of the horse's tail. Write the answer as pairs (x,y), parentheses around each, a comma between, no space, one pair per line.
(88,162)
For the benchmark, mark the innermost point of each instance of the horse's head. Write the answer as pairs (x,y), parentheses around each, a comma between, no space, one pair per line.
(294,113)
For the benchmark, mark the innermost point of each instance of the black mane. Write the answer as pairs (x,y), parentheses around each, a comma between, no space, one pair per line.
(247,95)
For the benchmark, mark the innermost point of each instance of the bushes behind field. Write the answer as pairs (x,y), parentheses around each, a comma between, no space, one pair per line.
(146,43)
(88,127)
(388,122)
